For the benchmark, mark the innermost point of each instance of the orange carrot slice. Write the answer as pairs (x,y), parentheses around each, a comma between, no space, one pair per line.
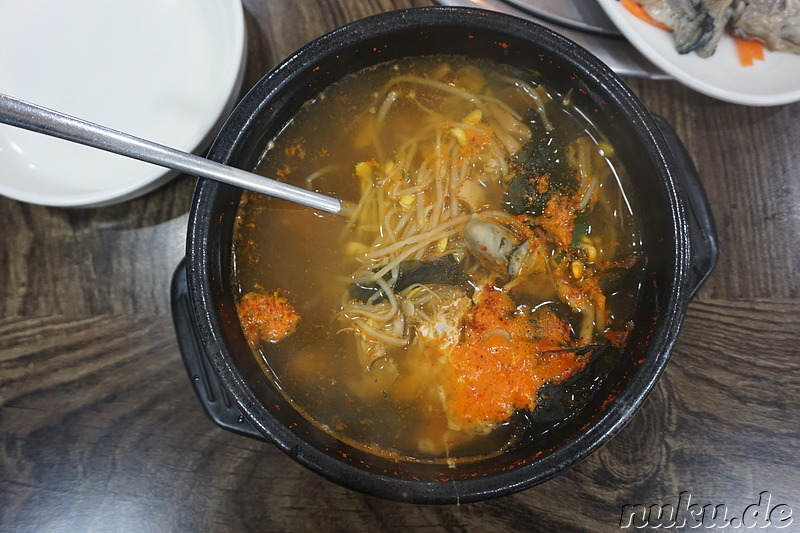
(749,51)
(639,12)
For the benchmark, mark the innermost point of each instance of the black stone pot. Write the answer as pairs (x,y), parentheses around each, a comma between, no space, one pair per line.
(678,233)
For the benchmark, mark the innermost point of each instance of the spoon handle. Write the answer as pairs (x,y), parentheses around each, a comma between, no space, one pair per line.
(22,114)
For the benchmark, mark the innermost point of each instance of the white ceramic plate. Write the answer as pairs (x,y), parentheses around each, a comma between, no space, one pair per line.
(167,71)
(774,81)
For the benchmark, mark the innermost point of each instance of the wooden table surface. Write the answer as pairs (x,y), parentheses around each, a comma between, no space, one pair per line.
(101,429)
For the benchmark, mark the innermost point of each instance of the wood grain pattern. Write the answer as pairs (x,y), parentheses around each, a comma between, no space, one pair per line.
(101,431)
(88,261)
(748,161)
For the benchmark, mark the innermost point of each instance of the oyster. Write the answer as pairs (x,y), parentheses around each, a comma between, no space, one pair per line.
(776,23)
(698,25)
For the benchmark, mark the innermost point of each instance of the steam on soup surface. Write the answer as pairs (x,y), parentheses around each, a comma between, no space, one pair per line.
(491,252)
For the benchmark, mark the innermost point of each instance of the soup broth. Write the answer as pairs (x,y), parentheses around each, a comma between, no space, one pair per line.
(490,254)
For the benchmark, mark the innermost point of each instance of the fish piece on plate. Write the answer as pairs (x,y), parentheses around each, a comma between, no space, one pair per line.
(774,22)
(697,25)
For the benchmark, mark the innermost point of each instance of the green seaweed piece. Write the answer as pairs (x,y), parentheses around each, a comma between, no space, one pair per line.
(443,271)
(581,228)
(615,277)
(542,157)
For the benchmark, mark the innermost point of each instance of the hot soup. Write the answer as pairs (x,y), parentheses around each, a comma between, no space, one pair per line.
(490,255)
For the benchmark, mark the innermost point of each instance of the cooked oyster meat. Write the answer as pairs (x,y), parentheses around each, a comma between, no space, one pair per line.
(698,25)
(776,23)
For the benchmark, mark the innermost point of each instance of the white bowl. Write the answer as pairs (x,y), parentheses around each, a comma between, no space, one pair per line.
(165,71)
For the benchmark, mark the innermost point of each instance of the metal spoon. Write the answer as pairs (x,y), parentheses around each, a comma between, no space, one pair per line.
(26,115)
